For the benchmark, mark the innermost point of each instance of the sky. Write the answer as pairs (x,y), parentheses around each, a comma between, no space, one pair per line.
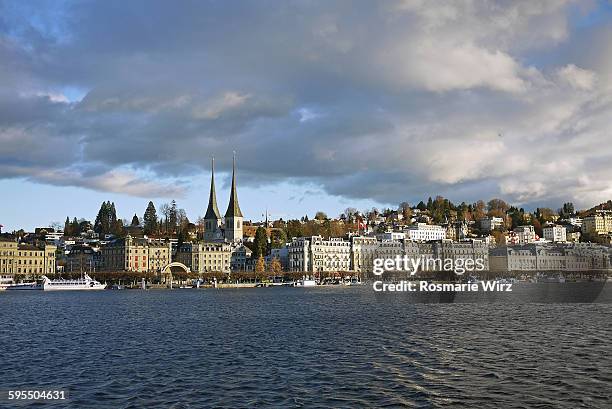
(327,104)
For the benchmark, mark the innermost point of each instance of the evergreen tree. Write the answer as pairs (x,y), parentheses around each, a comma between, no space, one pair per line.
(117,228)
(278,239)
(150,219)
(294,229)
(261,242)
(102,225)
(112,214)
(106,220)
(74,227)
(173,216)
(67,231)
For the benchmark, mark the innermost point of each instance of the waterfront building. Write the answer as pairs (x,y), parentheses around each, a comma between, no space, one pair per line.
(242,258)
(363,252)
(205,257)
(8,252)
(136,254)
(83,258)
(282,254)
(555,233)
(26,259)
(474,249)
(425,232)
(316,254)
(573,257)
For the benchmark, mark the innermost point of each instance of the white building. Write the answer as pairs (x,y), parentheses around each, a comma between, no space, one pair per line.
(522,235)
(425,232)
(489,224)
(316,254)
(555,233)
(391,235)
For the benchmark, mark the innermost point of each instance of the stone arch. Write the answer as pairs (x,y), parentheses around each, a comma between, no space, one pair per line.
(167,271)
(176,264)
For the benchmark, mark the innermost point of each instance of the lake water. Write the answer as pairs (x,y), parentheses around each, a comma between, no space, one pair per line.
(325,347)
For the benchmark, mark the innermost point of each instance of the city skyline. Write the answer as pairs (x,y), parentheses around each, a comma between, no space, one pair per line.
(466,100)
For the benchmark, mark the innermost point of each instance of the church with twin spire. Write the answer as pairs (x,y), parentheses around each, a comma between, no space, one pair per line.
(228,228)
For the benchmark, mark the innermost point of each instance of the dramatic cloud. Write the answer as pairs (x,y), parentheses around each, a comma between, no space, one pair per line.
(390,101)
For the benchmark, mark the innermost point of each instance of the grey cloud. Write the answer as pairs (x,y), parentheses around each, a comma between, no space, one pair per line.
(405,99)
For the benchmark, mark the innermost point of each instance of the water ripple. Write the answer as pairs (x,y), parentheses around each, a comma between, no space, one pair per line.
(282,347)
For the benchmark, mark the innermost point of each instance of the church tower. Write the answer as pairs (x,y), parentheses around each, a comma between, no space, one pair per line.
(212,219)
(233,216)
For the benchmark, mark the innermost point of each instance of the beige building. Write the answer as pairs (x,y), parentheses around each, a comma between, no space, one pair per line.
(8,252)
(599,223)
(26,259)
(206,257)
(136,254)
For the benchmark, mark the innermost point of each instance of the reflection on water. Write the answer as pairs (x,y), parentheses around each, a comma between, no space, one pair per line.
(330,347)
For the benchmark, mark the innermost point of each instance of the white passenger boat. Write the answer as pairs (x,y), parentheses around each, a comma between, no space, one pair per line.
(305,283)
(23,286)
(83,283)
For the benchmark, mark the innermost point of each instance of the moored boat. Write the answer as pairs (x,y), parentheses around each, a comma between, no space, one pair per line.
(83,283)
(305,283)
(23,286)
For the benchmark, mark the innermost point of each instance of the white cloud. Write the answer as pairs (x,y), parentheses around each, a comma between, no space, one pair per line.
(214,108)
(576,77)
(392,101)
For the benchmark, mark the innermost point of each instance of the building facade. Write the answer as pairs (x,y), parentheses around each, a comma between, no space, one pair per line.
(137,255)
(555,233)
(573,257)
(488,224)
(522,235)
(316,254)
(206,257)
(425,232)
(26,260)
(598,223)
(83,258)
